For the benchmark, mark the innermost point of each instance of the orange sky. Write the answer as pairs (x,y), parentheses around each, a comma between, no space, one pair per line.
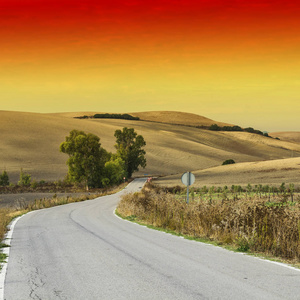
(233,61)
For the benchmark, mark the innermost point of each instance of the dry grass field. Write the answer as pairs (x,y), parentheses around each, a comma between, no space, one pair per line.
(290,136)
(271,172)
(31,141)
(175,117)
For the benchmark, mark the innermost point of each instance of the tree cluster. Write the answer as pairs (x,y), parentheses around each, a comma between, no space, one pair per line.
(91,164)
(110,116)
(216,127)
(116,116)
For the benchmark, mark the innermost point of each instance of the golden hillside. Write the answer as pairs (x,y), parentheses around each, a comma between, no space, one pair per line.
(174,117)
(31,141)
(272,172)
(290,136)
(168,117)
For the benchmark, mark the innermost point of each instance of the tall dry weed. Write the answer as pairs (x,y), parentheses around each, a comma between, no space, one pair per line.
(250,224)
(4,221)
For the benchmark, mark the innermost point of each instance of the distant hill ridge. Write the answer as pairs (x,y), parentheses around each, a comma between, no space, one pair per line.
(176,117)
(109,116)
(289,136)
(167,117)
(31,141)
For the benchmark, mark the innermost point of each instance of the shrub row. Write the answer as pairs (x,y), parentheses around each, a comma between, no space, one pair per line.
(115,116)
(110,116)
(215,127)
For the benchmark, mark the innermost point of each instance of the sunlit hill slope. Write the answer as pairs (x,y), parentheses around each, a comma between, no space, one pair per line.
(31,141)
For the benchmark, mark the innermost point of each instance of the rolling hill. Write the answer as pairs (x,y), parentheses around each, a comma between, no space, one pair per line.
(31,141)
(271,172)
(175,117)
(289,136)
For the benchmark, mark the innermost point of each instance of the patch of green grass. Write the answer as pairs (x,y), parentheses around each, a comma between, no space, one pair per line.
(2,258)
(2,245)
(132,218)
(243,245)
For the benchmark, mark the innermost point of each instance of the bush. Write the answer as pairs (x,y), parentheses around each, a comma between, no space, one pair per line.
(114,171)
(215,127)
(228,162)
(4,179)
(25,179)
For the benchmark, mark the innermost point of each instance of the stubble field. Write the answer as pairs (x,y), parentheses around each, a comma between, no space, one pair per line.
(31,141)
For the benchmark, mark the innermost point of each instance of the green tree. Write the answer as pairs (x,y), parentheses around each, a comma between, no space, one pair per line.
(25,178)
(4,179)
(129,148)
(114,171)
(214,127)
(86,158)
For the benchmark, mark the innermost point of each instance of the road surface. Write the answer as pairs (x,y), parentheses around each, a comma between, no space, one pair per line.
(83,251)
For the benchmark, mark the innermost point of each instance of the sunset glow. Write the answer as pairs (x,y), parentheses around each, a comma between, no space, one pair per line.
(233,61)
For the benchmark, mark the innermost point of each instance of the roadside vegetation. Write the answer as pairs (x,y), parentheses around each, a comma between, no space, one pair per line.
(249,220)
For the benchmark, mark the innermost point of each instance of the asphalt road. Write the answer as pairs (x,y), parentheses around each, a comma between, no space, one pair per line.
(83,251)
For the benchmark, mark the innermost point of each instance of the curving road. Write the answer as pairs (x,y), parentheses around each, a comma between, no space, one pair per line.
(83,251)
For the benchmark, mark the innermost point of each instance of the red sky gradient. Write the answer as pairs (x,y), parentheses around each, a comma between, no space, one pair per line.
(151,55)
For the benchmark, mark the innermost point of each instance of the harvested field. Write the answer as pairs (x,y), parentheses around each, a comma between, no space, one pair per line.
(289,136)
(272,172)
(31,141)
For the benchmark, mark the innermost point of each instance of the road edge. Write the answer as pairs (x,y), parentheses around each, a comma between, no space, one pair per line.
(6,250)
(282,264)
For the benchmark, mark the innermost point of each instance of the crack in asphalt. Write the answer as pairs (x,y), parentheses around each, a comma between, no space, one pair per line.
(35,281)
